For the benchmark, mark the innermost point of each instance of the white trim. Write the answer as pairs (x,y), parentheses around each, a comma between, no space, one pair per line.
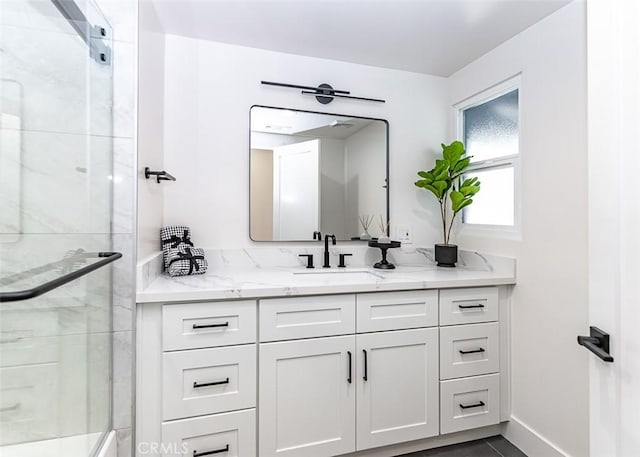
(529,441)
(495,91)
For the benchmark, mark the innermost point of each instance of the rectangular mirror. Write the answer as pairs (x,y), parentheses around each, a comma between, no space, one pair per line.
(316,172)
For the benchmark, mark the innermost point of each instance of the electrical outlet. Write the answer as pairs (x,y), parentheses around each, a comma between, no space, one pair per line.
(403,234)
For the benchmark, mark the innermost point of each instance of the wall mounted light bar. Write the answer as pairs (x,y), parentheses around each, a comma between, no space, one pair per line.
(324,93)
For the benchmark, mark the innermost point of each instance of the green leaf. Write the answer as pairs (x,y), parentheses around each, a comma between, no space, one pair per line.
(454,152)
(469,190)
(461,165)
(470,182)
(456,197)
(425,175)
(462,204)
(442,176)
(435,191)
(442,187)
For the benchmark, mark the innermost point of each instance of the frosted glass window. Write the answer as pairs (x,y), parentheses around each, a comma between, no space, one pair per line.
(491,129)
(494,204)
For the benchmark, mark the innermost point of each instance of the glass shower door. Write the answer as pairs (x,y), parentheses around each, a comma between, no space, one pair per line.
(56,166)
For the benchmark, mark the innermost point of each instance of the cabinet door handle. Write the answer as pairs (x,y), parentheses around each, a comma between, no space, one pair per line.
(474,405)
(365,375)
(224,324)
(214,451)
(472,351)
(207,384)
(479,305)
(349,378)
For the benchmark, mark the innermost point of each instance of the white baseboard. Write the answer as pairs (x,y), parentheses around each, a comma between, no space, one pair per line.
(109,447)
(529,441)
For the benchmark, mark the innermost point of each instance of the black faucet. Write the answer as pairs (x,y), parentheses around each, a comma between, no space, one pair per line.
(326,249)
(309,259)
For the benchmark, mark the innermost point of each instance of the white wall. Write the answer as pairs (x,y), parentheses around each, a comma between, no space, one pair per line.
(150,130)
(550,388)
(209,89)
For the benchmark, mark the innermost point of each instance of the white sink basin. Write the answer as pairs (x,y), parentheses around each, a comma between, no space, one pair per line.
(339,274)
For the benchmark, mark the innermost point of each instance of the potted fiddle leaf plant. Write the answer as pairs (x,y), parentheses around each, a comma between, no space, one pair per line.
(447,182)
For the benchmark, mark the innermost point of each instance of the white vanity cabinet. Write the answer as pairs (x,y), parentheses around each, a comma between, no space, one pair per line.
(323,375)
(333,395)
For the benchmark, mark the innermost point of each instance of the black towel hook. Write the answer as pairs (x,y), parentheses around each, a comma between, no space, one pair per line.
(160,175)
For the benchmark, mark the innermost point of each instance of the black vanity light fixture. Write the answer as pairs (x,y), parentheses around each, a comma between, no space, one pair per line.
(160,175)
(324,93)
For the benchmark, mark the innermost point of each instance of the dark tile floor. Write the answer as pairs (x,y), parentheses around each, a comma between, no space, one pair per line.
(496,446)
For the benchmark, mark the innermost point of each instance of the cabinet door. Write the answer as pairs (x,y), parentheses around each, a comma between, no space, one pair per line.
(397,379)
(307,397)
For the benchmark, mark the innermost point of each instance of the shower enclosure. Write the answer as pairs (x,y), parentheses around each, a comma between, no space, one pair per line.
(56,168)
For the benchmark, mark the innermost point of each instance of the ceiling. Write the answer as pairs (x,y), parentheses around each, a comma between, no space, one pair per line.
(436,37)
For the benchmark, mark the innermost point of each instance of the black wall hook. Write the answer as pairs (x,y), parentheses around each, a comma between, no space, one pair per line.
(597,342)
(160,175)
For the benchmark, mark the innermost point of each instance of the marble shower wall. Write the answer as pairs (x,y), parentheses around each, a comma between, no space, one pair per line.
(67,135)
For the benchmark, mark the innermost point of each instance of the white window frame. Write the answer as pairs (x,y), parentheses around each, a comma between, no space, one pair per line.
(497,231)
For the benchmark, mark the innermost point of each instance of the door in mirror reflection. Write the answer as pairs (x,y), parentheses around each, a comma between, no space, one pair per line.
(315,171)
(295,190)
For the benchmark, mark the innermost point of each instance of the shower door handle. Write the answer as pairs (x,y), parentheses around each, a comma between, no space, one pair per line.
(107,258)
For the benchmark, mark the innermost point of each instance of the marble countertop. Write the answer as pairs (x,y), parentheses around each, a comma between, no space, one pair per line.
(232,280)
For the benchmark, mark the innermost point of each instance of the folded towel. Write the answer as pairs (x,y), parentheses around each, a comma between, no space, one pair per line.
(173,237)
(185,261)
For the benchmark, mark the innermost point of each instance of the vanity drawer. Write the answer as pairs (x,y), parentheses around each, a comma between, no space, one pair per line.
(231,434)
(468,306)
(397,310)
(307,317)
(469,403)
(206,381)
(468,350)
(199,325)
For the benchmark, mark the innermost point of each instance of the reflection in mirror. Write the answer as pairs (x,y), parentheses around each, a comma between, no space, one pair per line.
(314,171)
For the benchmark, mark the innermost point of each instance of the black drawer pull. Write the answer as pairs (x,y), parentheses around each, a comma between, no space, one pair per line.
(472,351)
(225,324)
(215,451)
(475,405)
(365,377)
(470,306)
(349,378)
(207,384)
